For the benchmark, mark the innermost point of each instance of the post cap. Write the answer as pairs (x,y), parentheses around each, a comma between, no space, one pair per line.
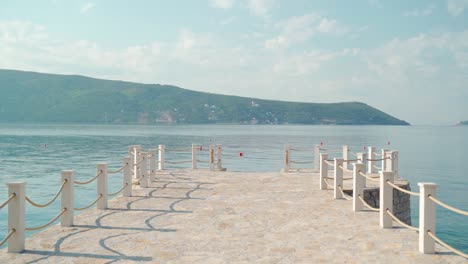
(427,184)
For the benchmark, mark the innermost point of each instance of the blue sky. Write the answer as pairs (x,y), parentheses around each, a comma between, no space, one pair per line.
(407,58)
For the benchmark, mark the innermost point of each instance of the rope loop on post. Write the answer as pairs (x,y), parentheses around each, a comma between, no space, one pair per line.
(88,181)
(13,195)
(402,190)
(438,240)
(446,206)
(48,223)
(51,201)
(86,207)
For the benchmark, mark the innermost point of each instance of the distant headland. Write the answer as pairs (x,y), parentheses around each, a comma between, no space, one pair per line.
(463,123)
(29,97)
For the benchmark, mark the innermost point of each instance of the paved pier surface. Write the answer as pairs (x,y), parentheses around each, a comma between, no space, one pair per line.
(227,217)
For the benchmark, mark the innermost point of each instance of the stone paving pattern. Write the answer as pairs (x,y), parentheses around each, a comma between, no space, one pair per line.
(227,217)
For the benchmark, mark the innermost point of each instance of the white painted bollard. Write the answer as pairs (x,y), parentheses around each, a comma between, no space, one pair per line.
(386,199)
(136,173)
(358,186)
(194,156)
(152,164)
(345,155)
(144,169)
(395,156)
(362,158)
(388,161)
(67,198)
(338,182)
(316,157)
(127,177)
(161,156)
(212,158)
(16,216)
(131,154)
(102,186)
(219,153)
(287,158)
(371,162)
(383,162)
(323,171)
(427,217)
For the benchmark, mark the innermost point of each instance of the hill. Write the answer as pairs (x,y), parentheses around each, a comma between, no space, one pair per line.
(50,98)
(463,123)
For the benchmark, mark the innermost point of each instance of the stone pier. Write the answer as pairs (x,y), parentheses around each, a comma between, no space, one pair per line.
(227,217)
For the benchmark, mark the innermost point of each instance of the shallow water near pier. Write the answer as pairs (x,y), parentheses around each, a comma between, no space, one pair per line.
(37,153)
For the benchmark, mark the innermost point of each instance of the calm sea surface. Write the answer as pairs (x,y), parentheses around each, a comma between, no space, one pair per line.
(37,153)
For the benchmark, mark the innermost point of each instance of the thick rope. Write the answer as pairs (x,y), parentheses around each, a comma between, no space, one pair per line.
(12,231)
(13,195)
(46,224)
(351,160)
(51,201)
(203,161)
(175,150)
(456,251)
(453,209)
(345,169)
(377,154)
(347,197)
(119,170)
(367,177)
(401,189)
(329,163)
(301,162)
(178,162)
(368,205)
(400,222)
(378,159)
(90,180)
(326,181)
(93,203)
(376,167)
(302,149)
(138,163)
(331,150)
(119,191)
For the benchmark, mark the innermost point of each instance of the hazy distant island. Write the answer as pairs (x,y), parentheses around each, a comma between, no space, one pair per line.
(463,123)
(30,97)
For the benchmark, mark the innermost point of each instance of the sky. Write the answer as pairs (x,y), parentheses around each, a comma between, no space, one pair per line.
(406,58)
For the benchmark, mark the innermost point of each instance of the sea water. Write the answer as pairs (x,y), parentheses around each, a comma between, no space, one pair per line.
(37,153)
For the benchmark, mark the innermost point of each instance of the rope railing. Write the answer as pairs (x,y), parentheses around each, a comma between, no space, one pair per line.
(178,162)
(377,154)
(345,169)
(332,150)
(118,170)
(48,223)
(347,197)
(329,163)
(368,205)
(301,149)
(367,177)
(90,180)
(89,206)
(378,159)
(301,162)
(175,149)
(203,161)
(402,190)
(448,207)
(119,191)
(401,222)
(351,160)
(51,201)
(139,162)
(375,167)
(438,240)
(12,231)
(326,181)
(13,195)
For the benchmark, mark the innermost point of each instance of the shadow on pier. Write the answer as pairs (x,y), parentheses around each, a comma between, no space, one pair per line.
(164,182)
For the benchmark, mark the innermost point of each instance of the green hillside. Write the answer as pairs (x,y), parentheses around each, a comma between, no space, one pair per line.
(49,98)
(463,123)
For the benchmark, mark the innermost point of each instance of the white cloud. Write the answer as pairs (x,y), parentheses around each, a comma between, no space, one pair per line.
(261,7)
(420,12)
(87,7)
(456,7)
(222,4)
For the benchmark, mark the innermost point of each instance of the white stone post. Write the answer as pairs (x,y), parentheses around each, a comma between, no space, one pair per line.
(362,158)
(137,172)
(144,169)
(161,157)
(383,162)
(427,217)
(338,182)
(358,186)
(287,157)
(388,161)
(386,199)
(323,171)
(316,157)
(345,156)
(131,154)
(371,163)
(16,216)
(395,156)
(212,158)
(127,177)
(152,164)
(219,153)
(194,156)
(102,186)
(67,198)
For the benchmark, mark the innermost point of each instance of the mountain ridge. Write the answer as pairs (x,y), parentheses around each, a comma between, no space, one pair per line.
(55,98)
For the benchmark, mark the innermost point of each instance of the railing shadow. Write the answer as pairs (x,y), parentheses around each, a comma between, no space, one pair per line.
(114,254)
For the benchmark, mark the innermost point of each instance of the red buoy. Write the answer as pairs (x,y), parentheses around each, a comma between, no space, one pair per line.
(241,154)
(364,147)
(201,148)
